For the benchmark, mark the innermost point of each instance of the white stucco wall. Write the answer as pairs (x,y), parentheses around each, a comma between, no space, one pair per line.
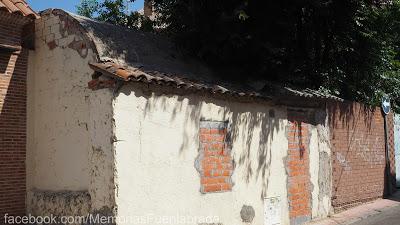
(158,143)
(60,114)
(134,152)
(67,122)
(320,167)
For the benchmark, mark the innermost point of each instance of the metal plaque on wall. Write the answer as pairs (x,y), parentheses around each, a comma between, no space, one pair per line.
(272,211)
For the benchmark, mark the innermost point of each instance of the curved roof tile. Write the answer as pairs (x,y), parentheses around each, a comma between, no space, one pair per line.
(19,7)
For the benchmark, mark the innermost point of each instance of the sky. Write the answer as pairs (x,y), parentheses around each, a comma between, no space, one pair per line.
(68,5)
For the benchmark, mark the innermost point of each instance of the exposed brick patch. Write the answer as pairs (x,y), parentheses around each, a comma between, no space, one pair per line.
(10,33)
(214,162)
(97,84)
(298,162)
(358,153)
(13,69)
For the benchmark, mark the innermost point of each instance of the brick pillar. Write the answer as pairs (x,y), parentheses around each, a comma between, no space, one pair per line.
(214,162)
(13,68)
(298,162)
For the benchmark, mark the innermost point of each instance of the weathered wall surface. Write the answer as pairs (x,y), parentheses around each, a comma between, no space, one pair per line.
(358,147)
(161,137)
(67,123)
(392,156)
(308,165)
(13,70)
(72,203)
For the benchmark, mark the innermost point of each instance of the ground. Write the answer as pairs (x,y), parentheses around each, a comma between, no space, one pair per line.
(378,212)
(386,217)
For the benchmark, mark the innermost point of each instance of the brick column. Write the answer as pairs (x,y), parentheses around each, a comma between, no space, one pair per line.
(298,163)
(12,132)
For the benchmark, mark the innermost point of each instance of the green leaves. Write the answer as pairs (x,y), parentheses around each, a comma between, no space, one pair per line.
(341,46)
(87,8)
(347,47)
(115,12)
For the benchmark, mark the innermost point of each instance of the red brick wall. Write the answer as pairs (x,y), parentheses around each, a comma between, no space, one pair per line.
(10,34)
(214,162)
(298,163)
(13,67)
(358,153)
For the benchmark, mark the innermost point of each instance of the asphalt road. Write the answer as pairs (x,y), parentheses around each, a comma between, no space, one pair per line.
(387,217)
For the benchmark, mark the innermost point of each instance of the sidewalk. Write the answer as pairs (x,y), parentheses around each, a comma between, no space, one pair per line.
(360,212)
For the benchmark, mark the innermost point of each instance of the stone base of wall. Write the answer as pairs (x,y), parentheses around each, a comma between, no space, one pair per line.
(64,203)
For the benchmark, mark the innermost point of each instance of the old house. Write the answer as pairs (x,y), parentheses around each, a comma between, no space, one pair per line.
(121,124)
(95,118)
(16,39)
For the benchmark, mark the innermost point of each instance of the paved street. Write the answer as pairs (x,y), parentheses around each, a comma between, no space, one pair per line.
(379,212)
(387,217)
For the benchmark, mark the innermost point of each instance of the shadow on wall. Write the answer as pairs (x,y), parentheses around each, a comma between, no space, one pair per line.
(250,124)
(344,114)
(391,140)
(358,153)
(13,68)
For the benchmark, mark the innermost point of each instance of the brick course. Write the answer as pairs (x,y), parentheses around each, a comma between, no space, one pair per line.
(298,162)
(13,69)
(215,162)
(358,154)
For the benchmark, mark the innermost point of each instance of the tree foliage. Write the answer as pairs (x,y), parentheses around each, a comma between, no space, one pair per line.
(346,47)
(87,8)
(113,11)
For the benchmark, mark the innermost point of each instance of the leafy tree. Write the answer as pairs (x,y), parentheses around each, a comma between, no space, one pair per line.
(346,47)
(115,12)
(87,8)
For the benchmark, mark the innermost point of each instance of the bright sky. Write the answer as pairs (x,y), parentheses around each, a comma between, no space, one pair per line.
(68,5)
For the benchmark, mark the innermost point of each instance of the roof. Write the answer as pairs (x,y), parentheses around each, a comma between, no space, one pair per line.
(18,7)
(154,77)
(130,55)
(268,91)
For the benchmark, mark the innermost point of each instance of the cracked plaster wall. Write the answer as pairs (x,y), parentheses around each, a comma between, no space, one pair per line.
(70,146)
(158,143)
(320,166)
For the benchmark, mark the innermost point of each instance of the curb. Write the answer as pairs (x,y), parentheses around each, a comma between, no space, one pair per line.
(360,212)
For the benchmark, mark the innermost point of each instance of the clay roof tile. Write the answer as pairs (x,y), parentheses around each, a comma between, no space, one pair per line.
(19,7)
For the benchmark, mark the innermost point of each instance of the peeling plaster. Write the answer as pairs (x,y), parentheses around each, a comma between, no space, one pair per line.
(72,126)
(325,166)
(58,29)
(160,147)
